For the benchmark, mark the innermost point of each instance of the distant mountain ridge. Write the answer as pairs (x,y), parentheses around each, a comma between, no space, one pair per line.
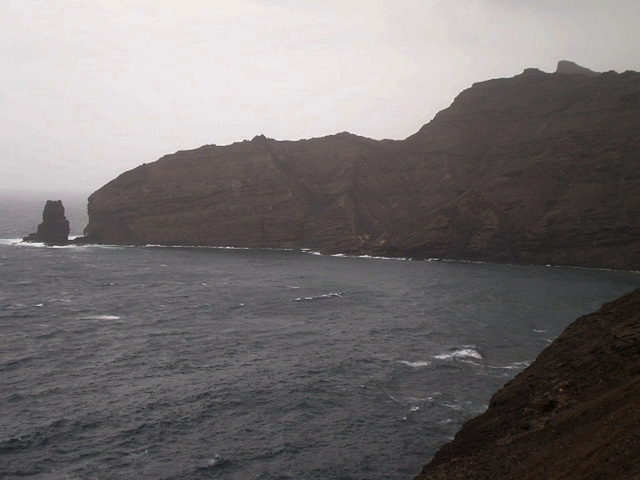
(541,168)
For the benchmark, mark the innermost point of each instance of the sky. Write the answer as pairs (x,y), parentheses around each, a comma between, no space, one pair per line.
(92,88)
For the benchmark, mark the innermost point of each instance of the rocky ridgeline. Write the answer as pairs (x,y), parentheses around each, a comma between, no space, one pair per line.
(54,229)
(540,168)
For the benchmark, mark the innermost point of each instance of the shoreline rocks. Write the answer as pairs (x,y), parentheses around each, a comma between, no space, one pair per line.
(573,414)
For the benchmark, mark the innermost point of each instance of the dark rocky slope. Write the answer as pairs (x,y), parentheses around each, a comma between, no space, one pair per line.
(573,414)
(538,168)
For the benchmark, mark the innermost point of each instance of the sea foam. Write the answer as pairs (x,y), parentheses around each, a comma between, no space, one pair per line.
(104,317)
(416,364)
(461,353)
(10,241)
(318,297)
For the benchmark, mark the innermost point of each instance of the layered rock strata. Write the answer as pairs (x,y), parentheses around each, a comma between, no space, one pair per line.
(540,168)
(54,229)
(573,414)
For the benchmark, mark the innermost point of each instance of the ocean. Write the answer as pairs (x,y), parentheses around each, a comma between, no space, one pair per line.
(197,363)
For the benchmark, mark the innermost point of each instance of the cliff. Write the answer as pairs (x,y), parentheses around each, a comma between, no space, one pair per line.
(538,168)
(573,414)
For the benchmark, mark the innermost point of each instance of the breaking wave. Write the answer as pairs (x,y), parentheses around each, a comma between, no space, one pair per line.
(466,352)
(10,241)
(416,364)
(512,366)
(103,317)
(318,297)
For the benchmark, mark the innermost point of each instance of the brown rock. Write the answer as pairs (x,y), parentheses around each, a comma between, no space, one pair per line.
(550,161)
(573,414)
(539,168)
(54,229)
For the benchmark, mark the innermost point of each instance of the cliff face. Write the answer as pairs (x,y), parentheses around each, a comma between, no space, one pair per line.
(325,193)
(573,414)
(538,168)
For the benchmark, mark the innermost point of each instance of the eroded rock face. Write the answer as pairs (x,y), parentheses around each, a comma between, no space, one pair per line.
(539,168)
(54,229)
(573,414)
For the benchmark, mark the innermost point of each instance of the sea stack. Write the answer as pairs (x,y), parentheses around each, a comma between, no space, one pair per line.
(54,229)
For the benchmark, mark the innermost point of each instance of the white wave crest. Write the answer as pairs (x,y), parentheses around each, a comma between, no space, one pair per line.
(10,241)
(318,297)
(104,317)
(416,364)
(377,257)
(460,353)
(512,366)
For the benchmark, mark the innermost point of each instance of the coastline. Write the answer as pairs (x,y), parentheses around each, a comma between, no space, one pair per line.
(572,414)
(80,241)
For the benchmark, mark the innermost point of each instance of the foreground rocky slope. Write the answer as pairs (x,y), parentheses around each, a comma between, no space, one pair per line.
(573,414)
(538,168)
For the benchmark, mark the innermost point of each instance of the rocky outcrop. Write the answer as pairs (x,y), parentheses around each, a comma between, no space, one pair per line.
(570,68)
(54,229)
(573,414)
(539,168)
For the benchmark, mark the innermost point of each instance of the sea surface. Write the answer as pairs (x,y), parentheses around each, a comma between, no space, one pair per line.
(199,363)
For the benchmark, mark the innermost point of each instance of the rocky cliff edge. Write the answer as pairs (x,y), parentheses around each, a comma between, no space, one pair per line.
(574,414)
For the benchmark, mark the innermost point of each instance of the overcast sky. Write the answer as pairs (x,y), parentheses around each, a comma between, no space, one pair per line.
(91,88)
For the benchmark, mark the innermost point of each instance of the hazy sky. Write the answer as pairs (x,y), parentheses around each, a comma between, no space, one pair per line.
(91,88)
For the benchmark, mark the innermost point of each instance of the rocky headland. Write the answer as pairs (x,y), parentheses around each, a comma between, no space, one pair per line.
(541,168)
(573,414)
(54,229)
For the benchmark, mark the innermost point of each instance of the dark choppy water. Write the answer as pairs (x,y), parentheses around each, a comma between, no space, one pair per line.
(187,363)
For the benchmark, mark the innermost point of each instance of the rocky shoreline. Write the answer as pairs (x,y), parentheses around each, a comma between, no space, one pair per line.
(574,413)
